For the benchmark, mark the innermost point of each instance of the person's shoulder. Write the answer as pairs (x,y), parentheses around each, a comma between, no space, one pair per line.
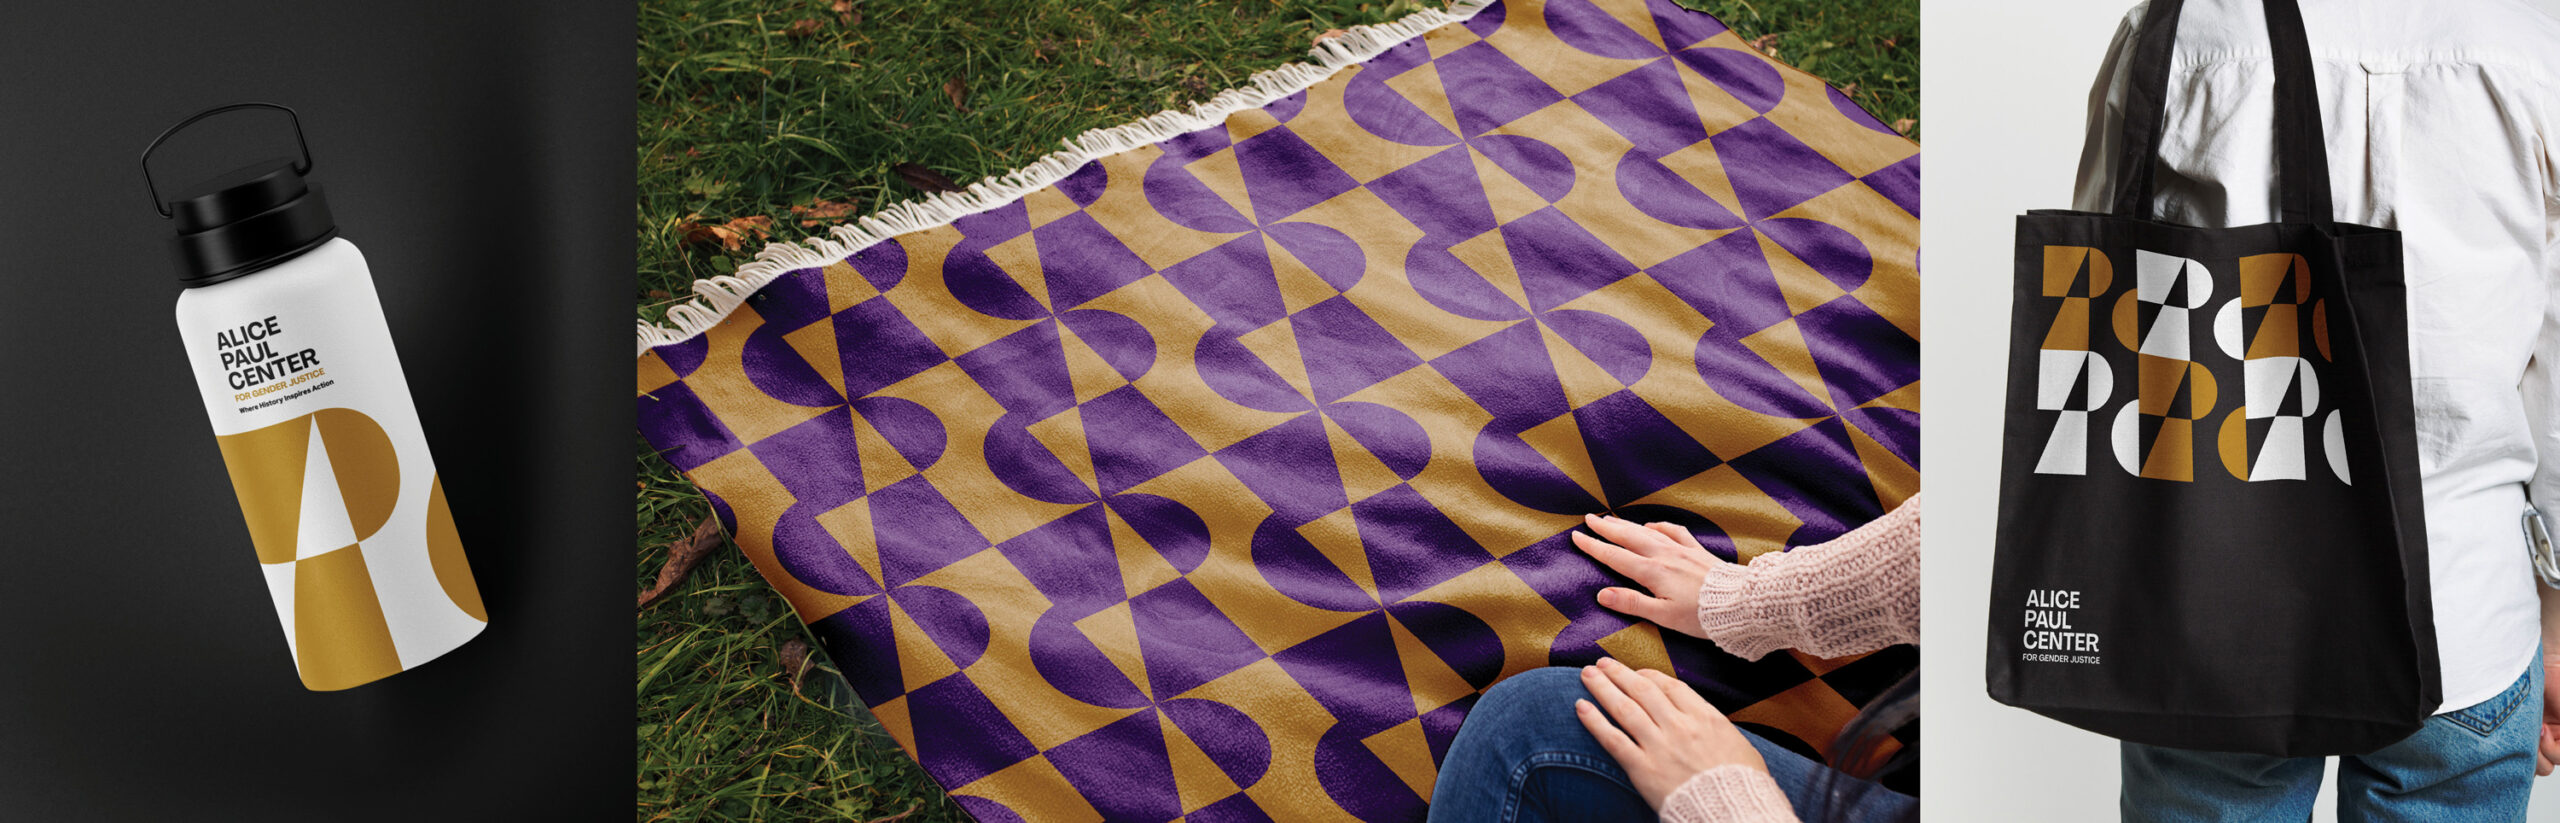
(2384,30)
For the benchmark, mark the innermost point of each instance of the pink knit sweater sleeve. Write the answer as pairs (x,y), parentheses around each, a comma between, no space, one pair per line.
(1731,793)
(1857,593)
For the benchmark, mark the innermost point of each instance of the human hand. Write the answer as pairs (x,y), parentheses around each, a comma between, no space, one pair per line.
(1662,557)
(2546,754)
(1665,733)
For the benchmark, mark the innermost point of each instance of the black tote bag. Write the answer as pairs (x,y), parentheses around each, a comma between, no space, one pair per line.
(2210,531)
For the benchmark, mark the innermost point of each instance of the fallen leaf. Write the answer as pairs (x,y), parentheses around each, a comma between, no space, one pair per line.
(1903,126)
(658,294)
(732,235)
(1329,34)
(924,179)
(822,211)
(844,11)
(1766,44)
(957,89)
(682,556)
(1850,90)
(795,662)
(803,27)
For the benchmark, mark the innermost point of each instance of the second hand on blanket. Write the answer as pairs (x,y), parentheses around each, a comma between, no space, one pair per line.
(1217,478)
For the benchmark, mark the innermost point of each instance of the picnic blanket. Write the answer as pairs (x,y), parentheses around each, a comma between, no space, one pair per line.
(1211,468)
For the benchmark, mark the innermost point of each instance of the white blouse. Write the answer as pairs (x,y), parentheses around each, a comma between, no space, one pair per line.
(2440,123)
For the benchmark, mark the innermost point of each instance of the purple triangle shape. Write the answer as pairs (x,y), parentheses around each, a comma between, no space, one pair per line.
(971,738)
(1635,449)
(1411,545)
(1283,175)
(1486,89)
(1559,260)
(1729,281)
(1071,561)
(1353,671)
(858,639)
(811,459)
(1509,374)
(1861,355)
(918,532)
(1233,283)
(1771,170)
(1133,441)
(1025,371)
(1649,106)
(1346,351)
(1290,466)
(1122,769)
(1186,640)
(1082,260)
(1440,194)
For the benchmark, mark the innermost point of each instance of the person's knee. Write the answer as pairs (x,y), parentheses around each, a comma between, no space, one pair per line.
(1532,710)
(1554,687)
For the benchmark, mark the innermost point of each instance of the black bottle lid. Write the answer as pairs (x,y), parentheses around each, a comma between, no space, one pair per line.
(249,219)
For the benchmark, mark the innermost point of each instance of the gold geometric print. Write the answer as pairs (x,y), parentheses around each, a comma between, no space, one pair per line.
(266,472)
(444,554)
(339,636)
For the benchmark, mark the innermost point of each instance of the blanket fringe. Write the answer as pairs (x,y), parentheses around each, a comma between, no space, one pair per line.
(715,297)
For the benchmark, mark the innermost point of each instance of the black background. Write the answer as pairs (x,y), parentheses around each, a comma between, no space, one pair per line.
(479,153)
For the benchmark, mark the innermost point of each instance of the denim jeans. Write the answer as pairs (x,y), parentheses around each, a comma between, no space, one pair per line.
(1522,756)
(2475,764)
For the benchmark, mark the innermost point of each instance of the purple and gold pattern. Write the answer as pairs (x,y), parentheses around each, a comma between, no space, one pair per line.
(1215,481)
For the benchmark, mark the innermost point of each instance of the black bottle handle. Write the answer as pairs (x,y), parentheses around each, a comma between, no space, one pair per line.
(301,168)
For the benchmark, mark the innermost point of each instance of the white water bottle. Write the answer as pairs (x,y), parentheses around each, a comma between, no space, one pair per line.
(294,359)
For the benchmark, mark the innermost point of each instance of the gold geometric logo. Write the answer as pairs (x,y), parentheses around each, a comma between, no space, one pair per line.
(313,489)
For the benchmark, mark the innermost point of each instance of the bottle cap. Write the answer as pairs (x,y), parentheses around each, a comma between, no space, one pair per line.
(245,220)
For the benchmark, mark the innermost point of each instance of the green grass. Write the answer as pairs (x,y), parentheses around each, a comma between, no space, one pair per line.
(742,116)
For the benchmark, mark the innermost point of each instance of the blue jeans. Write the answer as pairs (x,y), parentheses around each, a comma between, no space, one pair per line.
(2475,764)
(1522,756)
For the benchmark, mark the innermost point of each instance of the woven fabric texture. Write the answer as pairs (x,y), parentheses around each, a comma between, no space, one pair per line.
(1215,481)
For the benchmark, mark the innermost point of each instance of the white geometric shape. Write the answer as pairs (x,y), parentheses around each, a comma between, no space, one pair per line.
(2168,334)
(2102,381)
(2153,272)
(424,622)
(2263,382)
(2199,285)
(2226,328)
(2067,451)
(2124,435)
(2056,370)
(2333,440)
(325,526)
(2280,458)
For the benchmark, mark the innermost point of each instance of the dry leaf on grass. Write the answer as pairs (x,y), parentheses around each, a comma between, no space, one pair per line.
(1766,44)
(844,11)
(1329,34)
(683,556)
(1903,126)
(957,89)
(924,179)
(822,212)
(795,662)
(803,27)
(732,234)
